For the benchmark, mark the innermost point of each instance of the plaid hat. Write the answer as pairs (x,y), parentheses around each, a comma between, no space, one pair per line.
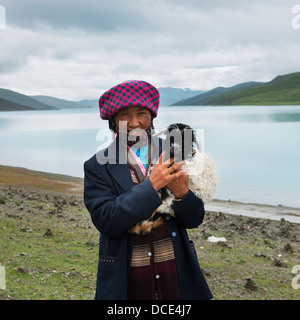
(129,93)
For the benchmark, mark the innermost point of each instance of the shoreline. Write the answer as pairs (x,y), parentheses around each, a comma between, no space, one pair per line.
(254,210)
(51,182)
(38,180)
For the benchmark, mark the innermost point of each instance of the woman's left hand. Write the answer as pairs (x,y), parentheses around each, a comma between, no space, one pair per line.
(179,186)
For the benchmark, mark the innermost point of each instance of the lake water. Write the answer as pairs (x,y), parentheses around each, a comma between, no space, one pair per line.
(256,149)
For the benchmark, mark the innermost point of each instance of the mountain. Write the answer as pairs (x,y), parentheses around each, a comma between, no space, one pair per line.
(24,100)
(169,95)
(59,103)
(282,90)
(14,101)
(6,105)
(209,97)
(90,103)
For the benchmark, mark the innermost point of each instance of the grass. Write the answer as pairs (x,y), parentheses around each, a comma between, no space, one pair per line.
(49,248)
(227,267)
(58,266)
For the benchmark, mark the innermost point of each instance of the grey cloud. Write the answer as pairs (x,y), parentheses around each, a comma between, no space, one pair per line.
(192,43)
(180,25)
(89,15)
(115,15)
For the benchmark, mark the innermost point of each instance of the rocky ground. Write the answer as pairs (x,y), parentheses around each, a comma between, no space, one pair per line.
(49,249)
(256,260)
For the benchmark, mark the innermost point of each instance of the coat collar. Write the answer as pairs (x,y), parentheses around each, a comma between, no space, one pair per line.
(114,158)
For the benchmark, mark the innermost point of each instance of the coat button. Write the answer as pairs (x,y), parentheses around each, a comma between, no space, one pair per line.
(173,234)
(150,254)
(157,276)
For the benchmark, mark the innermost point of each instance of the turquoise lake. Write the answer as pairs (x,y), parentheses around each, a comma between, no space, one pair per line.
(256,148)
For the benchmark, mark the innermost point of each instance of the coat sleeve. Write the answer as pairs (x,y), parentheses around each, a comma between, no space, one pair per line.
(189,211)
(113,214)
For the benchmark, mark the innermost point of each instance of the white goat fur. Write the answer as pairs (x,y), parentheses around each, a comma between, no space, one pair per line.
(203,177)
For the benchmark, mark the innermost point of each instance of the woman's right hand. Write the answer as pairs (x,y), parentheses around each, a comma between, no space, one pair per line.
(164,172)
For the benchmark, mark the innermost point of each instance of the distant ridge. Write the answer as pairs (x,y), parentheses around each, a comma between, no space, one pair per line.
(208,97)
(24,100)
(15,101)
(59,103)
(282,90)
(90,103)
(6,105)
(169,95)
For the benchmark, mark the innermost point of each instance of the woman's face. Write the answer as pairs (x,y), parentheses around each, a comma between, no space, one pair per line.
(138,119)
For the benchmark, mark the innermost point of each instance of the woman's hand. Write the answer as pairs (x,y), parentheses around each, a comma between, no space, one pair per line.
(179,186)
(163,173)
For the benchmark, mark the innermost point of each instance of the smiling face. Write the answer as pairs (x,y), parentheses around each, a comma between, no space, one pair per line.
(138,119)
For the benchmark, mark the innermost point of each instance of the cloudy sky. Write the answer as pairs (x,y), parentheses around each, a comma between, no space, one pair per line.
(76,50)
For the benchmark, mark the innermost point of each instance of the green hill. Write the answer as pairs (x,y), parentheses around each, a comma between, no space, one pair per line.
(24,100)
(283,90)
(14,101)
(217,93)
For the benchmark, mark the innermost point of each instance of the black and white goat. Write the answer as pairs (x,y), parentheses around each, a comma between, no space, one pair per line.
(182,144)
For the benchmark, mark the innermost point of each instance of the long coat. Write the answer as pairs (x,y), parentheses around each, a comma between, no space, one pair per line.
(116,205)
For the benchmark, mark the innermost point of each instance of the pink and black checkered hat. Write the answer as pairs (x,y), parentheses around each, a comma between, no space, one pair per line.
(129,93)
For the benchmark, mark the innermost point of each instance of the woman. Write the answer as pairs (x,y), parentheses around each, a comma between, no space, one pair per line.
(121,190)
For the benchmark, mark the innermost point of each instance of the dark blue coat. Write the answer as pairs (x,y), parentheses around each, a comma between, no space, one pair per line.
(116,205)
